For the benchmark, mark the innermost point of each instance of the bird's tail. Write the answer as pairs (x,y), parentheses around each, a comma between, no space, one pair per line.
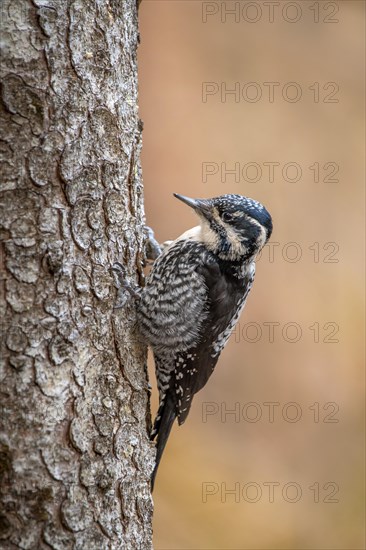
(162,427)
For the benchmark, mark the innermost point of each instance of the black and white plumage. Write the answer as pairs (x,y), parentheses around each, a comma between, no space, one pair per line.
(193,297)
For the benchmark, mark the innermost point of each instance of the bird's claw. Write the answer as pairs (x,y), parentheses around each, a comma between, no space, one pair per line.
(125,291)
(152,247)
(119,273)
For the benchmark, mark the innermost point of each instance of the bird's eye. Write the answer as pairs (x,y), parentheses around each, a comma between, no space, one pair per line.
(227,217)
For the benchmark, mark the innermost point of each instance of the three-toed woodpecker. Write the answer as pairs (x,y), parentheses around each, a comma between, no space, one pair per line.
(193,297)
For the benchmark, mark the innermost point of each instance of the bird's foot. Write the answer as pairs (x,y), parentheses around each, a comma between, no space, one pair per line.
(152,247)
(125,290)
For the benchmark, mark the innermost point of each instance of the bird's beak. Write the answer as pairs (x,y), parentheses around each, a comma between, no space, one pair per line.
(201,206)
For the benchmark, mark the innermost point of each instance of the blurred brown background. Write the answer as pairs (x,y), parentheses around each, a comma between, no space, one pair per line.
(320,376)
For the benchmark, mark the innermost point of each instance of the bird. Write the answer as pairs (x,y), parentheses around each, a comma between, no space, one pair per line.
(193,297)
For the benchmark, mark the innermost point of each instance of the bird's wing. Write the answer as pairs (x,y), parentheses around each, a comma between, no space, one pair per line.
(226,298)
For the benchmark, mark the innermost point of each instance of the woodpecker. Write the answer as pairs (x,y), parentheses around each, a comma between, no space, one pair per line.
(193,298)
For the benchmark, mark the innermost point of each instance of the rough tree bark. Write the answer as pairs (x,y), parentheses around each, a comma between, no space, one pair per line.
(75,457)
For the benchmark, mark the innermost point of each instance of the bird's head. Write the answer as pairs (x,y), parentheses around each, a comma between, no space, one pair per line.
(232,226)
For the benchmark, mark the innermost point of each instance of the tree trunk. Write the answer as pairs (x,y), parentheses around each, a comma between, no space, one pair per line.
(75,456)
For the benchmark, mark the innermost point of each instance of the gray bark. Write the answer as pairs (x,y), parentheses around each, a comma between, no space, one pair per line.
(75,456)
